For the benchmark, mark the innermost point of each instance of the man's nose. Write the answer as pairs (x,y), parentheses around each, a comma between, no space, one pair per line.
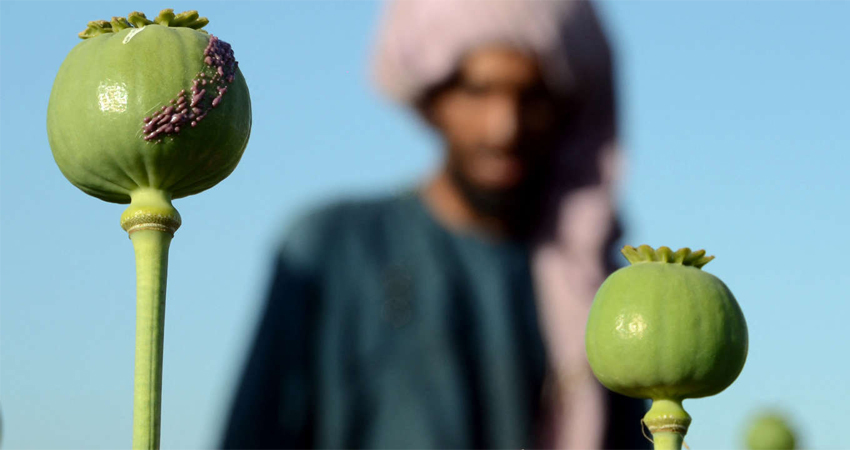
(503,123)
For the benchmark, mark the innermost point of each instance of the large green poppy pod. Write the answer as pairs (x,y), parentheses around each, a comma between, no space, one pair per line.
(664,329)
(143,112)
(142,104)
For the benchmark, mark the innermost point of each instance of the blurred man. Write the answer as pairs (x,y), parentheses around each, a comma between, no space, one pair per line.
(452,315)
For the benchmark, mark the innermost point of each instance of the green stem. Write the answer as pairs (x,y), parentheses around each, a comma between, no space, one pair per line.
(668,422)
(151,248)
(151,221)
(667,441)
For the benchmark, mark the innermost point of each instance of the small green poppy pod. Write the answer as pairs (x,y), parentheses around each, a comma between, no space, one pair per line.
(770,431)
(145,105)
(665,330)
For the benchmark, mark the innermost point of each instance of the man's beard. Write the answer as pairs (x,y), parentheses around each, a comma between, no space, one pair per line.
(518,206)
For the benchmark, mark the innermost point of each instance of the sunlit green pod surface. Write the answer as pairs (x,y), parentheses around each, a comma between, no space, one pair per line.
(662,329)
(148,104)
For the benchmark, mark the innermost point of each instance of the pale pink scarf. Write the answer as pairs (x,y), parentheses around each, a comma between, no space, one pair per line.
(568,269)
(419,44)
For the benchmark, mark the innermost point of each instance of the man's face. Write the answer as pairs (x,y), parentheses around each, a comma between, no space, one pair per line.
(499,124)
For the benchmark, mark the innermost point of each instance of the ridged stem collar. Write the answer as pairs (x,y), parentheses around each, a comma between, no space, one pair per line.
(150,209)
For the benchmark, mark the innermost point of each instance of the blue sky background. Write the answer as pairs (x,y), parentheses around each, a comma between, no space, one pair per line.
(736,124)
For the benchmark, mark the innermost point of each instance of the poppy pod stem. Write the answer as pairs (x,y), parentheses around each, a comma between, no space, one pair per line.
(151,221)
(668,422)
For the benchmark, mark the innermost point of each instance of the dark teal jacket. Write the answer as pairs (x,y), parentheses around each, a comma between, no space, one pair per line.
(384,330)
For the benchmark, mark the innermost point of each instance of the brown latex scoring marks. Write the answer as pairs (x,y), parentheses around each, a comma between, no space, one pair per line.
(208,89)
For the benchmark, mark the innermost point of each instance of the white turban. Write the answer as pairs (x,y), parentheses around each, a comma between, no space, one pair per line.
(420,42)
